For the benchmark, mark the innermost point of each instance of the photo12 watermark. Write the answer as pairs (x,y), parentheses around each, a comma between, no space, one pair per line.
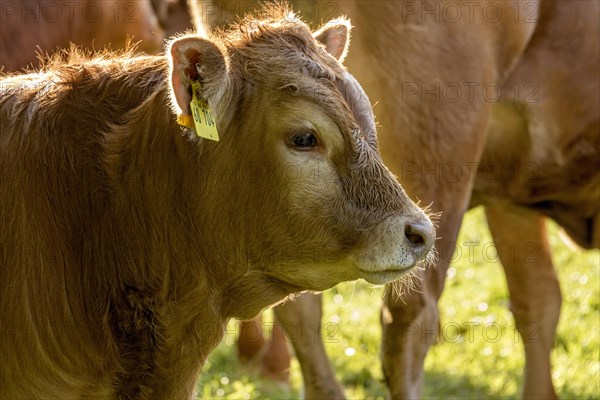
(69,12)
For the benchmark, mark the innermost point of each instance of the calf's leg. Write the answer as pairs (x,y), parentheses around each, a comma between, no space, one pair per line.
(275,363)
(301,320)
(271,354)
(535,298)
(251,340)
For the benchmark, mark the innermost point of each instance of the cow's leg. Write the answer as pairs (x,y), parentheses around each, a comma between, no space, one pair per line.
(535,299)
(410,321)
(301,320)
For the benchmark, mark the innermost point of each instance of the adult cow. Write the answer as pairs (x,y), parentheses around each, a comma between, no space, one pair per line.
(480,103)
(128,241)
(42,26)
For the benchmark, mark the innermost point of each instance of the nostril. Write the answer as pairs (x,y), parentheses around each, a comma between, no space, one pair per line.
(414,236)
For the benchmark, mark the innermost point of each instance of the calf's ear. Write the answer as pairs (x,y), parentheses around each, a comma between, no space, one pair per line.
(335,36)
(195,58)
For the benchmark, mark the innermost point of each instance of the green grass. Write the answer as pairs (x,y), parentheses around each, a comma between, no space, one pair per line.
(475,293)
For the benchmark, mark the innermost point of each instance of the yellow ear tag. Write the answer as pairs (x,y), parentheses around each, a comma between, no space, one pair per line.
(204,122)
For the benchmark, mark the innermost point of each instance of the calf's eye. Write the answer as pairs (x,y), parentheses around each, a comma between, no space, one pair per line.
(303,140)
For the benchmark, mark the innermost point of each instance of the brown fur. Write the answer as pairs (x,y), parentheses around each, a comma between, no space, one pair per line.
(128,242)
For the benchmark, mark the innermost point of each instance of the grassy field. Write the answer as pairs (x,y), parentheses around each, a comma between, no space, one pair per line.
(475,293)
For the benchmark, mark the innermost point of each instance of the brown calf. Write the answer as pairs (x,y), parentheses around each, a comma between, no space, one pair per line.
(128,241)
(505,95)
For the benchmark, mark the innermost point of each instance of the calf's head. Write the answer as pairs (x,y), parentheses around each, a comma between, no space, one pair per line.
(296,186)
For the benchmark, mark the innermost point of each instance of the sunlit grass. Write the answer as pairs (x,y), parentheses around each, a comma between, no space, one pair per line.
(487,364)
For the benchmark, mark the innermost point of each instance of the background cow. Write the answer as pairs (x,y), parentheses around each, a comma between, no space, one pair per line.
(504,89)
(131,240)
(30,28)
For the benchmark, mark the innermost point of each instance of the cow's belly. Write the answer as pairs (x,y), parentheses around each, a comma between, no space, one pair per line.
(557,175)
(576,209)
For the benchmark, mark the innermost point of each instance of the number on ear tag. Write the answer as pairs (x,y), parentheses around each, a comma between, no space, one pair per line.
(204,122)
